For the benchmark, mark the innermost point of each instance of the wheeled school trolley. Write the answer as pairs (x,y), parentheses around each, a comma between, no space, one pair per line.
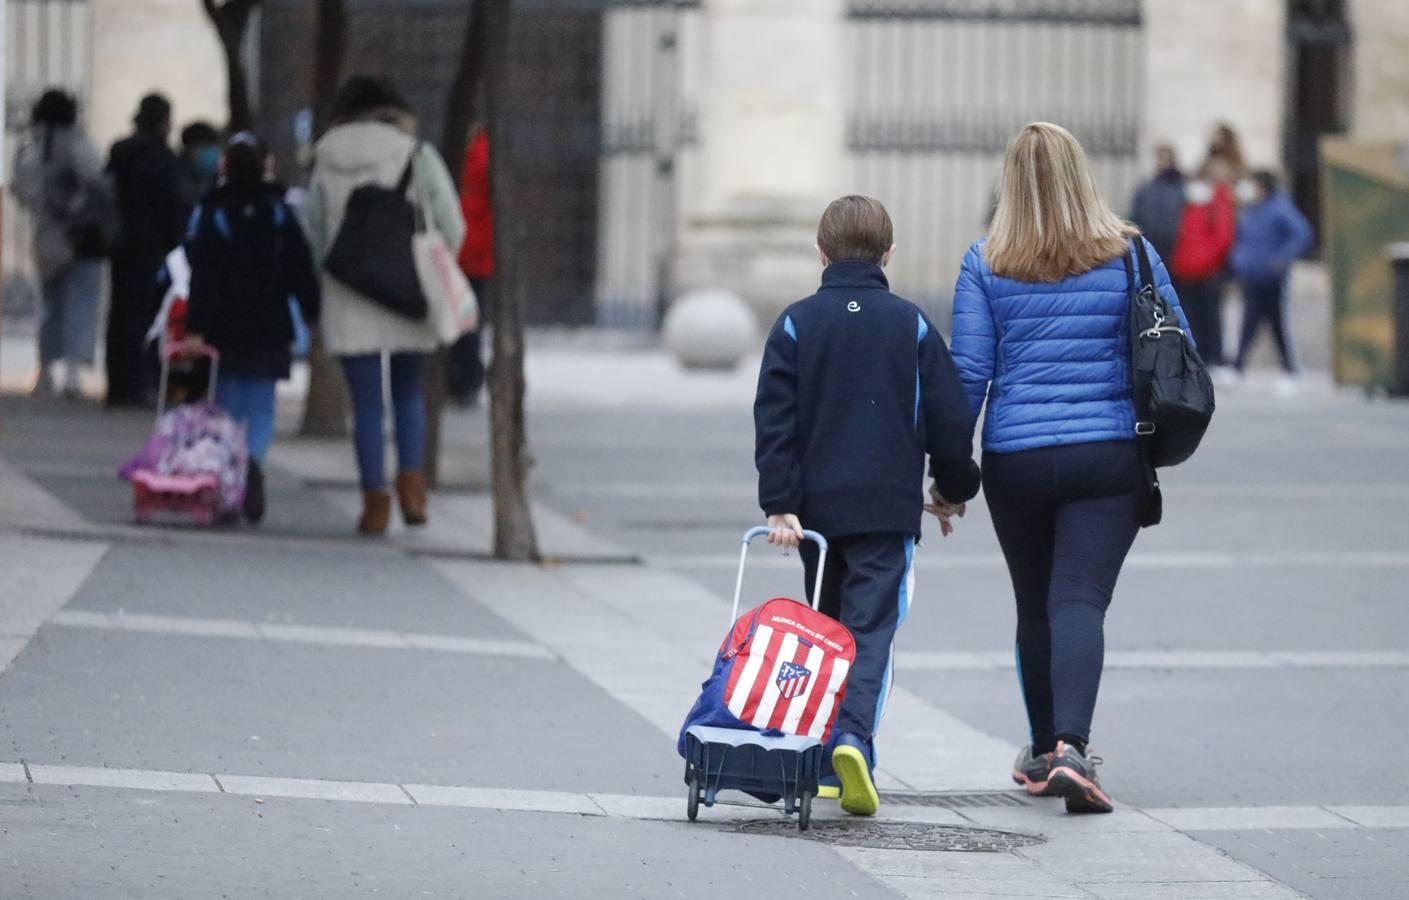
(769,766)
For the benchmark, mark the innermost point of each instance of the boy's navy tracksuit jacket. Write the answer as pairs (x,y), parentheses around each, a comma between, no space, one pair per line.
(856,388)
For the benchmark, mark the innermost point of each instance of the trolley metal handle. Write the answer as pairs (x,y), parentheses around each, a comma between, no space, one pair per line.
(171,353)
(761,531)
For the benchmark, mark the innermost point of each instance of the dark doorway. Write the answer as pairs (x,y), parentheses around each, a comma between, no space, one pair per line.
(1318,55)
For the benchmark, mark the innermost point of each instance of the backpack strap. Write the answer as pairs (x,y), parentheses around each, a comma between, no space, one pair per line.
(1147,275)
(404,182)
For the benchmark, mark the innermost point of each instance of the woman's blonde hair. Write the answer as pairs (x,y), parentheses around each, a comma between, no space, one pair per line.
(1051,220)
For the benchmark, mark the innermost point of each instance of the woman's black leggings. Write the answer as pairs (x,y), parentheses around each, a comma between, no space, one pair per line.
(1065,517)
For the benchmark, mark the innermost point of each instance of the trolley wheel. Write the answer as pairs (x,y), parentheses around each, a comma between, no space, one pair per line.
(692,800)
(804,811)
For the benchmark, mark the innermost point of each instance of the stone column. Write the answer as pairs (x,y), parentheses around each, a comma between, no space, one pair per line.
(771,153)
(1212,61)
(140,46)
(1380,67)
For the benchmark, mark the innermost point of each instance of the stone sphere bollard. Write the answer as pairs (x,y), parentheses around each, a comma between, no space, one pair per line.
(710,328)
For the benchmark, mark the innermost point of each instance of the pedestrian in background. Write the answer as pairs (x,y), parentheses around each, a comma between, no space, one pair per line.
(1199,263)
(201,152)
(248,256)
(1225,144)
(466,365)
(371,142)
(1272,234)
(1158,206)
(1040,333)
(148,180)
(55,171)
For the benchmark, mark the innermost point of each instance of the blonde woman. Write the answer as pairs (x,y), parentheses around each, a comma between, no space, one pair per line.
(1040,332)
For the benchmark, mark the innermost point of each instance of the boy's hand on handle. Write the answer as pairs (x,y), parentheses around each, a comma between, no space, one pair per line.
(787,531)
(191,345)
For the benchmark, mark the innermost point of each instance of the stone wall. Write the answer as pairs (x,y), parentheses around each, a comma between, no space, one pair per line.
(145,45)
(1380,70)
(1213,61)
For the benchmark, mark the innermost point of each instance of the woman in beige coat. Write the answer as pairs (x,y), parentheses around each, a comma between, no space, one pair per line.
(370,142)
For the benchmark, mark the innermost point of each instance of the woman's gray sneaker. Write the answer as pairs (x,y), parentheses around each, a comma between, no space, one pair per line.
(1031,770)
(1073,777)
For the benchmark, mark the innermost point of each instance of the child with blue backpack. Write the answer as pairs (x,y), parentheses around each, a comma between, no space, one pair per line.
(856,388)
(248,257)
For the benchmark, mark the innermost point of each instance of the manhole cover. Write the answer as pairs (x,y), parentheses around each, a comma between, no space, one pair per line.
(898,835)
(983,800)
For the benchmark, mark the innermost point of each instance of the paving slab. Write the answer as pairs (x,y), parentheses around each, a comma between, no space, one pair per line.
(108,698)
(291,586)
(1361,864)
(90,842)
(1224,724)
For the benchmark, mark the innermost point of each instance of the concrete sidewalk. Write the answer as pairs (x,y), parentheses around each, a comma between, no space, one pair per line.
(403,717)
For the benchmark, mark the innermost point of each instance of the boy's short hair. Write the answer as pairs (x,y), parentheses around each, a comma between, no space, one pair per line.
(855,228)
(1267,180)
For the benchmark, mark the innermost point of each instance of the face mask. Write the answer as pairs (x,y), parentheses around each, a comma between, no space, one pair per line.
(1199,193)
(206,162)
(1247,192)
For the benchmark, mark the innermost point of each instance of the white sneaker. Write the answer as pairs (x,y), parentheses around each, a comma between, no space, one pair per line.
(1287,387)
(1226,376)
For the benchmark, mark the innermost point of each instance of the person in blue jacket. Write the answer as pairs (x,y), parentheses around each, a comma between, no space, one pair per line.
(1272,234)
(856,388)
(1041,335)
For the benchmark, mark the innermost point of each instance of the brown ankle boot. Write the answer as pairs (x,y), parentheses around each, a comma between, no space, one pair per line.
(411,492)
(376,513)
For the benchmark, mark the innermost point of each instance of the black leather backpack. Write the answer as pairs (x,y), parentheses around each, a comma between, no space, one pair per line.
(1170,384)
(372,252)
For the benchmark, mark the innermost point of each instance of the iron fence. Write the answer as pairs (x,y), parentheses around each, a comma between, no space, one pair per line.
(937,88)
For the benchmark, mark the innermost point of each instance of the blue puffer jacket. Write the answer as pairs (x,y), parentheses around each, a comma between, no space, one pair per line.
(1056,354)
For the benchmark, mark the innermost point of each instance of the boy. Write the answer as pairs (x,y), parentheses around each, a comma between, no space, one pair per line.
(856,387)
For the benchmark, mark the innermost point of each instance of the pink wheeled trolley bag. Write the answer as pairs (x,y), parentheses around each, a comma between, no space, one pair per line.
(195,463)
(766,711)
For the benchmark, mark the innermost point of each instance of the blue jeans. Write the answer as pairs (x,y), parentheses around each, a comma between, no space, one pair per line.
(68,326)
(364,384)
(249,399)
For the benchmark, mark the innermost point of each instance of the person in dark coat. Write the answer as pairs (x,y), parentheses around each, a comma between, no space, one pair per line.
(148,179)
(248,258)
(201,150)
(1158,206)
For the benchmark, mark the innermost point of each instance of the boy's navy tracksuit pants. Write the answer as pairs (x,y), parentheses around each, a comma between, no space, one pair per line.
(867,586)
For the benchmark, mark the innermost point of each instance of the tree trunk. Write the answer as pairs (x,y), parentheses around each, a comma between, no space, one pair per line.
(330,46)
(231,20)
(514,537)
(453,138)
(325,406)
(456,132)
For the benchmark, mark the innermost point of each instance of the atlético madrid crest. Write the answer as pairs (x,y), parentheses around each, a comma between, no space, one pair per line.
(792,680)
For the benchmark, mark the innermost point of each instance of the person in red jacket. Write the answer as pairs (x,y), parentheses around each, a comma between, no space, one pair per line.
(466,366)
(1206,234)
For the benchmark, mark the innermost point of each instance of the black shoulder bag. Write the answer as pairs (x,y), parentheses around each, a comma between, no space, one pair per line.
(1170,385)
(372,253)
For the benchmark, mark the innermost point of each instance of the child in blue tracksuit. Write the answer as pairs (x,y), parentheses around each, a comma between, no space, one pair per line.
(1272,234)
(856,388)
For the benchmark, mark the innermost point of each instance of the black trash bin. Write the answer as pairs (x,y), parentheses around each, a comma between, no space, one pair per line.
(1399,310)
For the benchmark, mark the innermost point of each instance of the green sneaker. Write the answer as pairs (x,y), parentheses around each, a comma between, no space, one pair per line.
(852,763)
